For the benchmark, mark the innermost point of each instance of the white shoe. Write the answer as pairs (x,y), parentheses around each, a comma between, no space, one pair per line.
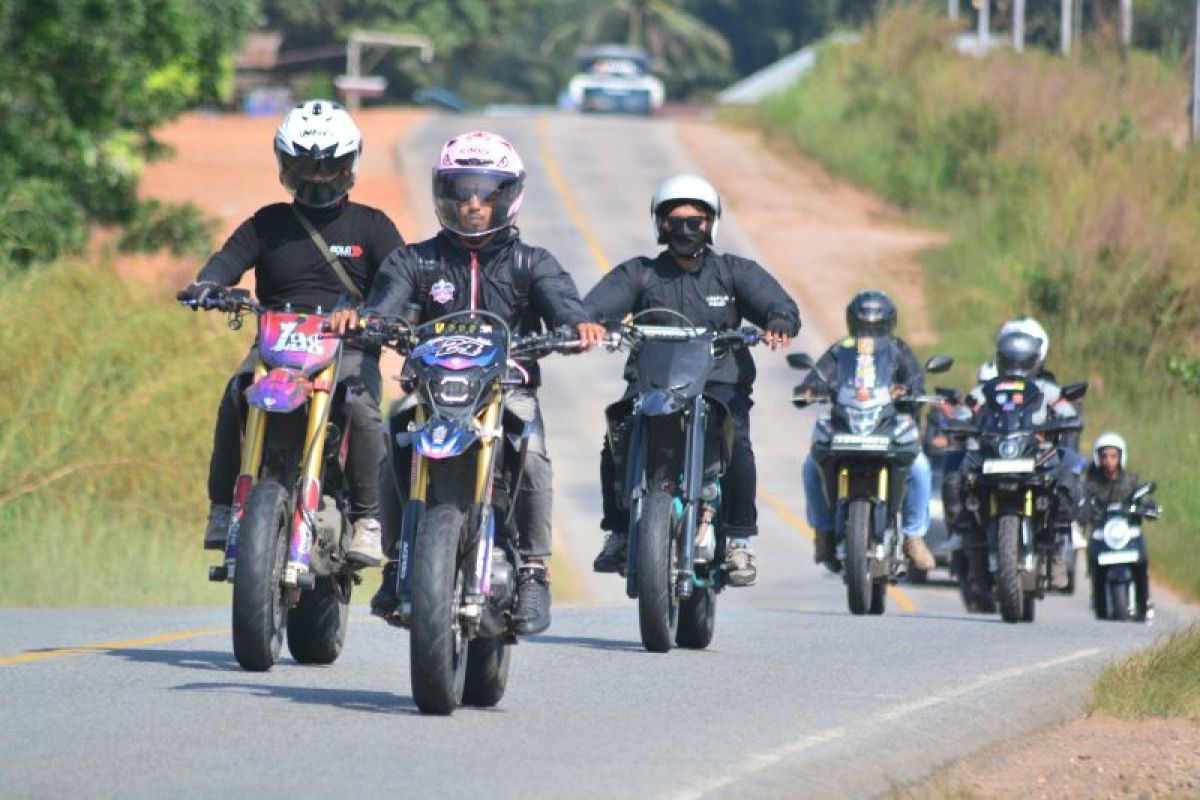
(366,548)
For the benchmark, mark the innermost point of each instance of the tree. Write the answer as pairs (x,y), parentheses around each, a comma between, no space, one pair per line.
(83,83)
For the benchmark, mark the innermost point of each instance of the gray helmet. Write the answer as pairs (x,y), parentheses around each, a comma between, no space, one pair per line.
(1018,355)
(871,313)
(683,188)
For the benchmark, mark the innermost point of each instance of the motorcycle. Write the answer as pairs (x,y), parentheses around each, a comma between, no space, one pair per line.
(1010,483)
(1117,558)
(458,560)
(289,533)
(672,442)
(864,449)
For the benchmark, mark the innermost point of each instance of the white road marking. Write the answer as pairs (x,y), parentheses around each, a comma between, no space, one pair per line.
(773,758)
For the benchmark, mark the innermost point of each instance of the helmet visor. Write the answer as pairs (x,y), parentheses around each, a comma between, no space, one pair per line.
(317,182)
(1018,355)
(476,202)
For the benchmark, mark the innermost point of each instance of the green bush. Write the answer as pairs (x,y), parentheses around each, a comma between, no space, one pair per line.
(180,227)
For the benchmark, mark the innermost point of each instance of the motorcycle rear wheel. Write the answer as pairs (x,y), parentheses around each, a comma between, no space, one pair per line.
(1008,572)
(658,606)
(316,627)
(437,651)
(859,586)
(697,619)
(488,661)
(259,610)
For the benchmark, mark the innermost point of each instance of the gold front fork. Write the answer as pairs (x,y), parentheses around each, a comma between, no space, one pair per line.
(255,433)
(487,447)
(419,483)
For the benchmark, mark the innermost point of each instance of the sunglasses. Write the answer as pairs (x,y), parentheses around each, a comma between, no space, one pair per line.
(680,224)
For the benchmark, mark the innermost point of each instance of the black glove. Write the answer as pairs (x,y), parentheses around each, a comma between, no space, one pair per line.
(780,326)
(199,294)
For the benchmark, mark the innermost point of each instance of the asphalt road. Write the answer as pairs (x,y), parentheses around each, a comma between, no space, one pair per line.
(794,698)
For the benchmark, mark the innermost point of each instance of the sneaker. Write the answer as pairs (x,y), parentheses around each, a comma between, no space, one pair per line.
(1058,570)
(387,599)
(533,598)
(823,549)
(739,563)
(217,532)
(918,553)
(366,548)
(614,553)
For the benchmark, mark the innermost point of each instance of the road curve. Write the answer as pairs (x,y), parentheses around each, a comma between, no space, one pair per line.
(795,697)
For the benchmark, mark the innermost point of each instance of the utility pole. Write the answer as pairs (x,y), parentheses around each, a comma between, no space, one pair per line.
(985,25)
(1126,37)
(1064,28)
(1196,79)
(952,10)
(1018,25)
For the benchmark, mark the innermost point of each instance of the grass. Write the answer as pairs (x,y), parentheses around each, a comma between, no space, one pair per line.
(109,396)
(1161,682)
(1064,197)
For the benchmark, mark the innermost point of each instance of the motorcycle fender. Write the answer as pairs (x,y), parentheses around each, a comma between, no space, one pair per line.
(1120,573)
(279,391)
(444,438)
(658,404)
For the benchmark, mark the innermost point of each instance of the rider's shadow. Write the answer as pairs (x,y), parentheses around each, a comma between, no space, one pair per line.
(345,699)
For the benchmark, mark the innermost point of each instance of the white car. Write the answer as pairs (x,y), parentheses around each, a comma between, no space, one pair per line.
(615,79)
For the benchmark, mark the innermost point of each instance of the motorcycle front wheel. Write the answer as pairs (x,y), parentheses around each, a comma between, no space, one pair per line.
(1008,558)
(658,607)
(437,651)
(259,610)
(860,589)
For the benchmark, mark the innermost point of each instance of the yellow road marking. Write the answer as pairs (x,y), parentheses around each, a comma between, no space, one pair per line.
(58,652)
(555,173)
(791,518)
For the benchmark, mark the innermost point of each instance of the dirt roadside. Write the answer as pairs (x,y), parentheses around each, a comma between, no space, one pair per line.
(824,240)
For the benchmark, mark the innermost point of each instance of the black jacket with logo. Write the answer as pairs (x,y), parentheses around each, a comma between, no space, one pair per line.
(288,266)
(908,370)
(718,294)
(524,285)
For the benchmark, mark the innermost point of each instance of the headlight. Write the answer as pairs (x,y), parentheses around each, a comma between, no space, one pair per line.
(1011,447)
(863,420)
(453,390)
(1118,533)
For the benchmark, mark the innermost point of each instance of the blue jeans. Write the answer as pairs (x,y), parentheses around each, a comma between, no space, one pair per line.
(914,516)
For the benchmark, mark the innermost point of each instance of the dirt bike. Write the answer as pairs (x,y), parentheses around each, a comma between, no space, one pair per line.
(672,442)
(288,535)
(865,449)
(1010,489)
(458,560)
(1117,558)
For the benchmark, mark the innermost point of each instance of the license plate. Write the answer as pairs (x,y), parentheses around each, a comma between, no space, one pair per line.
(1118,557)
(1007,466)
(851,441)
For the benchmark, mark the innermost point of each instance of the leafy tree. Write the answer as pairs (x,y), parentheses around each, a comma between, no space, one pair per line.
(83,83)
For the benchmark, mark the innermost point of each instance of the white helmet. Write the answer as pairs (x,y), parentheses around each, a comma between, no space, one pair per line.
(987,371)
(679,188)
(1106,440)
(317,146)
(1032,327)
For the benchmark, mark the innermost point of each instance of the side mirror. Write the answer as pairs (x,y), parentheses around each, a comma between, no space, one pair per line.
(939,364)
(1075,391)
(800,361)
(1153,512)
(1143,490)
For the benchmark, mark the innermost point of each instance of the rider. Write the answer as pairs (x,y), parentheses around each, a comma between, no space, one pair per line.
(714,291)
(478,261)
(871,313)
(1107,482)
(1020,355)
(318,147)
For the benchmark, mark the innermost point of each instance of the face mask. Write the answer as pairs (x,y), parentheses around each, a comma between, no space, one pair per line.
(684,239)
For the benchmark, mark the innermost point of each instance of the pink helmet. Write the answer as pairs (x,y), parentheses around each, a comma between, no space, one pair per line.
(479,165)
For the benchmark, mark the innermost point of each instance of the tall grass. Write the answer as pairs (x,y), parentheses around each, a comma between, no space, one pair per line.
(107,401)
(1161,682)
(1065,197)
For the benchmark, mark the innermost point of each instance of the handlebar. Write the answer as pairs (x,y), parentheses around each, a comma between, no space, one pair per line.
(634,335)
(232,301)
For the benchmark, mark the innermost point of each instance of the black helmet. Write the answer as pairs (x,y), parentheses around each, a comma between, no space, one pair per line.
(1018,355)
(871,313)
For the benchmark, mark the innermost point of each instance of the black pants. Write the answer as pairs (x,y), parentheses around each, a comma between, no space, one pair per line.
(359,379)
(739,514)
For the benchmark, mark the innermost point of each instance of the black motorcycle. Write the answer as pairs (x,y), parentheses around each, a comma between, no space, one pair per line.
(672,442)
(458,558)
(865,449)
(1117,558)
(1011,474)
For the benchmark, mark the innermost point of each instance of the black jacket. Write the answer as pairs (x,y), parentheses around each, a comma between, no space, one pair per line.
(438,274)
(718,294)
(288,267)
(1101,492)
(908,369)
